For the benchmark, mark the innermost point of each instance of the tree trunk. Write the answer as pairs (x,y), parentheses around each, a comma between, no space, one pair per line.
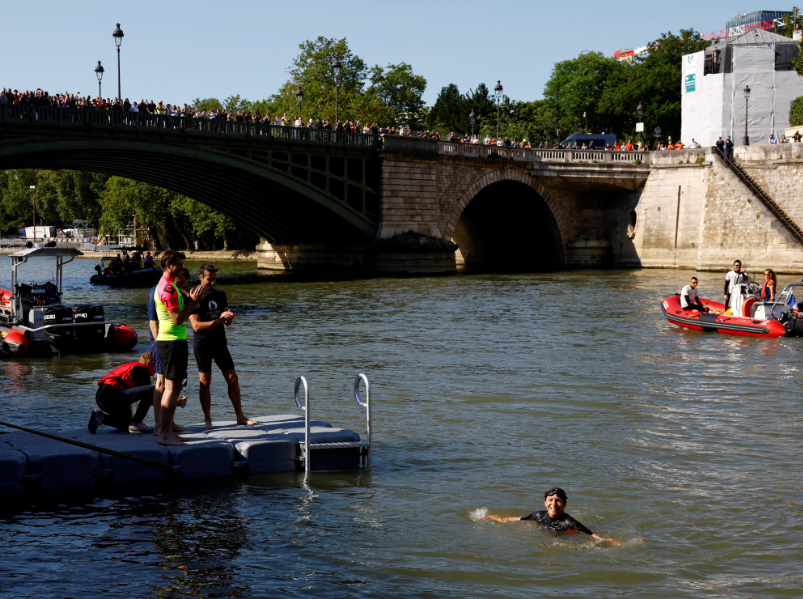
(226,245)
(155,244)
(183,233)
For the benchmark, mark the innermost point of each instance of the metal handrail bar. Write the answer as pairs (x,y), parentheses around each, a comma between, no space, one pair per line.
(367,405)
(180,125)
(773,207)
(303,381)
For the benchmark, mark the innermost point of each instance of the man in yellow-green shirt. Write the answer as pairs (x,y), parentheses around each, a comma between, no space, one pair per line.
(173,310)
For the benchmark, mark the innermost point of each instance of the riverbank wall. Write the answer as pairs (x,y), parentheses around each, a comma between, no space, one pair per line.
(694,212)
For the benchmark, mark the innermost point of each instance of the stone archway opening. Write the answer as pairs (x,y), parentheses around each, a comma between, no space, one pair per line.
(508,227)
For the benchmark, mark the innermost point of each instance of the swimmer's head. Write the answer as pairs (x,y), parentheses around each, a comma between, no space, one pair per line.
(555,501)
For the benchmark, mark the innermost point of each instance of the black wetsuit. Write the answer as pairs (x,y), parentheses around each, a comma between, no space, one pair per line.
(562,522)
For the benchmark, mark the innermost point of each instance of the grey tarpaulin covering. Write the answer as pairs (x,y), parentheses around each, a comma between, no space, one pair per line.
(713,105)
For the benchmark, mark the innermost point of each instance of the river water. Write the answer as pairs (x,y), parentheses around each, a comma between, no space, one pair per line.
(488,390)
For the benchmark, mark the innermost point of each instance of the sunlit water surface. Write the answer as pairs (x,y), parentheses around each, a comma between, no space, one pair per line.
(488,390)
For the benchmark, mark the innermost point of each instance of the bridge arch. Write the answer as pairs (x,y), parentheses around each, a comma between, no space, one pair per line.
(506,220)
(282,207)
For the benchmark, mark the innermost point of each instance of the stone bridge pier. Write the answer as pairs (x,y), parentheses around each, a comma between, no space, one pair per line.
(445,207)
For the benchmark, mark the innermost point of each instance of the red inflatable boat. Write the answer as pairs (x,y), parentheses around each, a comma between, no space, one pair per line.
(751,317)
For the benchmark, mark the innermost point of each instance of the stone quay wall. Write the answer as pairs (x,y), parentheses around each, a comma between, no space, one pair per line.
(693,212)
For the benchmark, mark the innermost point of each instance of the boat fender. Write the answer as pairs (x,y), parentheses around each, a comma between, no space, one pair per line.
(122,337)
(14,343)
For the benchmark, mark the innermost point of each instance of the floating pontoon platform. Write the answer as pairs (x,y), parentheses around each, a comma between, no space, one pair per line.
(30,462)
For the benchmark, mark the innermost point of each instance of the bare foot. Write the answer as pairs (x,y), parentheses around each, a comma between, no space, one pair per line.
(177,428)
(246,421)
(207,424)
(174,440)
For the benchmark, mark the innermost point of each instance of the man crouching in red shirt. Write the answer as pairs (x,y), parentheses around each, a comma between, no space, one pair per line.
(123,386)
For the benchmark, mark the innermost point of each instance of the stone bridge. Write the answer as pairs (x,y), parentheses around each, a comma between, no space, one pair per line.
(330,201)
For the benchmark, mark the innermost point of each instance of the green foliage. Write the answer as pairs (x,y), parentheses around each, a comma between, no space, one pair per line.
(654,80)
(397,93)
(790,23)
(578,86)
(449,111)
(796,112)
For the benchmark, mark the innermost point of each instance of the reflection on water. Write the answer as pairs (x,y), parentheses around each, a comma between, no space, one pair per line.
(489,389)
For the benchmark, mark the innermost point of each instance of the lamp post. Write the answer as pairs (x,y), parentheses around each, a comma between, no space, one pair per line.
(640,111)
(746,98)
(300,98)
(336,75)
(99,72)
(585,118)
(34,211)
(557,132)
(472,118)
(498,92)
(117,34)
(657,135)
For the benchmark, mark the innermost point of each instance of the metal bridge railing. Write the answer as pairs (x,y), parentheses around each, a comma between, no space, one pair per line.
(118,119)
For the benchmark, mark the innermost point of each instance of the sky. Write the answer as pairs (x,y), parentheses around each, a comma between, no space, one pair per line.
(178,51)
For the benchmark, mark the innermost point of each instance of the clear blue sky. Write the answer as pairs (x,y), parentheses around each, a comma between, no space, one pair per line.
(177,51)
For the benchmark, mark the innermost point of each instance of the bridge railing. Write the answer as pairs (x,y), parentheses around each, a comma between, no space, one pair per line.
(394,143)
(118,119)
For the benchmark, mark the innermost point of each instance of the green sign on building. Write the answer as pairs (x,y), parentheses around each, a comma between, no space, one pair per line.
(690,83)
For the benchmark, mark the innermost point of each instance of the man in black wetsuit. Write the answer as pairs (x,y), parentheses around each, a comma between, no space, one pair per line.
(209,343)
(553,517)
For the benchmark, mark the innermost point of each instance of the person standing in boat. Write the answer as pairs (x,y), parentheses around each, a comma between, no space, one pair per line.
(735,277)
(689,299)
(768,286)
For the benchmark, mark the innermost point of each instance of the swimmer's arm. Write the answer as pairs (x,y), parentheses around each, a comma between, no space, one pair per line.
(496,518)
(599,538)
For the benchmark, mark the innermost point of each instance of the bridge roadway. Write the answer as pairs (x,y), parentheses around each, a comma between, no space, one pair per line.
(324,200)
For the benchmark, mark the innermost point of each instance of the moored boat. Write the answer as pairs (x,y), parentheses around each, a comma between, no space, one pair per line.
(33,320)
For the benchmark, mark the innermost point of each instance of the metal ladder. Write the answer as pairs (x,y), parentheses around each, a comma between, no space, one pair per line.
(364,446)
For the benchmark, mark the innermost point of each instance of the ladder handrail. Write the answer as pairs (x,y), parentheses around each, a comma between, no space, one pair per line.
(299,381)
(367,405)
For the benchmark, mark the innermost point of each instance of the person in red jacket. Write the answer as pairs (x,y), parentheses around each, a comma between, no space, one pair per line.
(118,390)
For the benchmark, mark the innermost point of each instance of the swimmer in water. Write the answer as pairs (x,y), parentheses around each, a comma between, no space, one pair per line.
(553,516)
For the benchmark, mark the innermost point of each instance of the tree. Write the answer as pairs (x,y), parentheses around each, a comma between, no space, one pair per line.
(124,200)
(654,79)
(577,87)
(203,219)
(449,111)
(397,92)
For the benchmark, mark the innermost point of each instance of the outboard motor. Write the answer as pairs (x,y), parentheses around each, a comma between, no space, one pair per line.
(90,338)
(794,325)
(62,338)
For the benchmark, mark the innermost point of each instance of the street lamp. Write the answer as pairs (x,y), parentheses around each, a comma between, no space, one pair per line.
(557,132)
(657,135)
(99,72)
(746,97)
(117,34)
(640,124)
(498,92)
(585,118)
(300,98)
(34,211)
(336,75)
(472,118)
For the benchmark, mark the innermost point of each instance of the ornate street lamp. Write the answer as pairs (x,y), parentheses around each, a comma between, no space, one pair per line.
(498,92)
(117,34)
(472,118)
(99,72)
(746,98)
(300,98)
(640,111)
(336,75)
